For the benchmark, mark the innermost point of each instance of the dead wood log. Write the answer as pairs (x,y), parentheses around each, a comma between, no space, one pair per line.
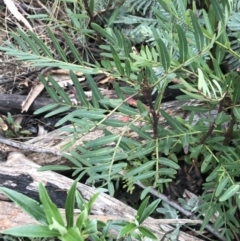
(14,102)
(20,174)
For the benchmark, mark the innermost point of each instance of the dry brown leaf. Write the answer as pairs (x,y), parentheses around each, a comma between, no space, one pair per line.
(33,94)
(108,79)
(64,72)
(13,9)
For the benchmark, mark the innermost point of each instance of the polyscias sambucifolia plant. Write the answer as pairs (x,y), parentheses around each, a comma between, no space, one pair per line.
(187,45)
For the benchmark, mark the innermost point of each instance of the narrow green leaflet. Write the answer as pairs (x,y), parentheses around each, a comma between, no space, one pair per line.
(140,132)
(41,45)
(169,163)
(104,33)
(130,142)
(141,153)
(185,142)
(127,110)
(64,119)
(70,204)
(194,96)
(111,188)
(123,108)
(91,114)
(54,168)
(90,161)
(195,108)
(118,90)
(206,163)
(198,34)
(106,64)
(202,84)
(195,151)
(147,233)
(148,211)
(31,44)
(143,176)
(72,235)
(74,51)
(27,204)
(143,168)
(188,86)
(127,229)
(80,93)
(49,89)
(142,109)
(58,111)
(154,54)
(164,54)
(117,61)
(213,175)
(102,141)
(142,53)
(128,67)
(59,90)
(142,207)
(97,95)
(91,201)
(217,87)
(167,144)
(145,191)
(222,118)
(172,122)
(114,123)
(218,11)
(113,17)
(165,6)
(229,193)
(127,46)
(209,212)
(236,112)
(46,108)
(82,217)
(162,51)
(149,54)
(57,46)
(100,152)
(182,44)
(91,6)
(118,36)
(167,171)
(32,231)
(236,89)
(50,209)
(19,41)
(207,23)
(139,58)
(93,171)
(221,185)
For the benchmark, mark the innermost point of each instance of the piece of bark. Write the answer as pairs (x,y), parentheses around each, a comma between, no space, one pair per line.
(14,102)
(20,174)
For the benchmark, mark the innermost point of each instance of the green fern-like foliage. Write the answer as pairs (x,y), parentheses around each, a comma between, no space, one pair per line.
(186,44)
(136,18)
